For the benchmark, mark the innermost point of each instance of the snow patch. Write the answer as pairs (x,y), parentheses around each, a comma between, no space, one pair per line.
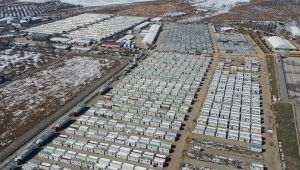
(38,95)
(215,7)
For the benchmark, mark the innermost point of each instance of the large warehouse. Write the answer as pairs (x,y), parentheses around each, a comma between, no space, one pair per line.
(153,34)
(279,44)
(295,31)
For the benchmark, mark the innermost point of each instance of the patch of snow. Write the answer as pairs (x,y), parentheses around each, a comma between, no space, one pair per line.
(11,61)
(91,2)
(215,7)
(41,93)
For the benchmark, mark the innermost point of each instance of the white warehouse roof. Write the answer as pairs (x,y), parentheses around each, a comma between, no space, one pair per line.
(149,38)
(157,19)
(279,43)
(295,31)
(154,28)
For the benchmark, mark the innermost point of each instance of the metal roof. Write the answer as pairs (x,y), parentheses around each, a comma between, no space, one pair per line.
(294,30)
(149,38)
(154,28)
(280,43)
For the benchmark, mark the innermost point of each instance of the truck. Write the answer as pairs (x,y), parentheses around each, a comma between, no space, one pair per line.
(62,123)
(78,110)
(45,137)
(103,89)
(30,147)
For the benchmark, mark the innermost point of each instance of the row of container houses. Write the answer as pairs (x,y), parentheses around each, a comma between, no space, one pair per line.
(101,148)
(165,129)
(190,38)
(232,107)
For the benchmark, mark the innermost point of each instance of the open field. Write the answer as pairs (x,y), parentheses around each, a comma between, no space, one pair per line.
(257,10)
(149,8)
(287,134)
(273,80)
(27,101)
(14,63)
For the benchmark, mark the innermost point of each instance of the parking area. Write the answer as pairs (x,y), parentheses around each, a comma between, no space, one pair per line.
(292,75)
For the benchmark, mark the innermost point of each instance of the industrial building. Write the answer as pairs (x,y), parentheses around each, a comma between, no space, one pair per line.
(152,35)
(89,26)
(106,29)
(142,25)
(294,30)
(277,43)
(68,24)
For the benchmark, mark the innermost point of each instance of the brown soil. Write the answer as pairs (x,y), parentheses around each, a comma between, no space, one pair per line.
(51,103)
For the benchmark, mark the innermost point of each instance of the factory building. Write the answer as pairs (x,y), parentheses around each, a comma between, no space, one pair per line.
(151,37)
(142,25)
(279,44)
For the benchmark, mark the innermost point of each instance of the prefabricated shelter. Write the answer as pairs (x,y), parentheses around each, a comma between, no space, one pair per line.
(256,166)
(76,161)
(244,137)
(210,131)
(34,163)
(65,159)
(88,164)
(134,157)
(45,166)
(233,134)
(157,162)
(44,154)
(199,129)
(99,166)
(81,156)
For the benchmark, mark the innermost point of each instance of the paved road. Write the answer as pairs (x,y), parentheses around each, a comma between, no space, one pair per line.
(17,146)
(284,95)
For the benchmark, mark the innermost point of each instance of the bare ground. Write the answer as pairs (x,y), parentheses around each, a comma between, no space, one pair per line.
(18,118)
